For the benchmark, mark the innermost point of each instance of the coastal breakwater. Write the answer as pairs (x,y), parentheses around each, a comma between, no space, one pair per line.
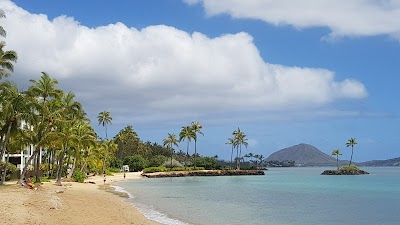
(344,172)
(203,173)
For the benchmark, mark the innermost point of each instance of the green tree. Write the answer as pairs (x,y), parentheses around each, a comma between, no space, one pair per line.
(196,128)
(259,159)
(336,153)
(7,58)
(108,148)
(188,134)
(351,142)
(14,109)
(3,33)
(240,139)
(104,118)
(127,140)
(42,91)
(231,141)
(136,162)
(170,141)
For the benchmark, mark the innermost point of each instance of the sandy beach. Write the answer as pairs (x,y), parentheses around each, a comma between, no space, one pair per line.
(71,203)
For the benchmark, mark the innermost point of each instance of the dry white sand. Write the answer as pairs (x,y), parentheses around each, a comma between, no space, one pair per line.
(71,203)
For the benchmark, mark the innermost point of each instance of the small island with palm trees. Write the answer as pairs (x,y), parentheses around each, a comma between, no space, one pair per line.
(350,169)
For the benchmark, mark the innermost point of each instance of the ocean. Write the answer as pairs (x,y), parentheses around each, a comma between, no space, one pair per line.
(284,196)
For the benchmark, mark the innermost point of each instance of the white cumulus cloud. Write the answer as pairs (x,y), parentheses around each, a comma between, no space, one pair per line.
(342,17)
(161,72)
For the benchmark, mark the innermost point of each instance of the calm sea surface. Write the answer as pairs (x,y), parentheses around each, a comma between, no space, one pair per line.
(284,196)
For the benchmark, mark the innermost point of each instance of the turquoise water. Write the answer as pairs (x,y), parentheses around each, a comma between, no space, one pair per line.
(284,196)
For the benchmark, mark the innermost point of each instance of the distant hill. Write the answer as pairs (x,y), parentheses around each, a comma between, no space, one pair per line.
(388,162)
(305,155)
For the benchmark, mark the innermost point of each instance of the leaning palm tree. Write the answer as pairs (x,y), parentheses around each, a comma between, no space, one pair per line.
(196,127)
(104,118)
(7,58)
(336,153)
(231,141)
(351,142)
(169,142)
(188,134)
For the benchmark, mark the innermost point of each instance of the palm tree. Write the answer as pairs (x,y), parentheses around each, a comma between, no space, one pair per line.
(188,134)
(240,139)
(85,137)
(196,127)
(169,142)
(15,109)
(108,148)
(42,91)
(231,141)
(260,159)
(351,142)
(336,153)
(7,58)
(2,31)
(104,118)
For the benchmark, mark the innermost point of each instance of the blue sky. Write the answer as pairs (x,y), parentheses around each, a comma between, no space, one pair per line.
(287,72)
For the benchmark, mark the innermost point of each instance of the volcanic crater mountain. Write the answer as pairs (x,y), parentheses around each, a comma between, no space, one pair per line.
(305,155)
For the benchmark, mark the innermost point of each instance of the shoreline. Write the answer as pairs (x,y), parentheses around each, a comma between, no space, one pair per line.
(71,203)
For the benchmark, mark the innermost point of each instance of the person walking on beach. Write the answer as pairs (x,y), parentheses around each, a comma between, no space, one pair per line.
(104,178)
(124,175)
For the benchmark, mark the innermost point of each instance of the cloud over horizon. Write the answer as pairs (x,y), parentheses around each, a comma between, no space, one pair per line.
(161,72)
(350,18)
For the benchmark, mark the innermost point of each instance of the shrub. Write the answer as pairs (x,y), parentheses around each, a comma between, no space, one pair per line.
(352,167)
(136,162)
(11,168)
(197,168)
(157,160)
(78,176)
(114,170)
(178,169)
(155,169)
(115,163)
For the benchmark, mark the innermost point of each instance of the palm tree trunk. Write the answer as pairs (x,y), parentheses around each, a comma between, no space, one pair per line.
(3,177)
(53,160)
(351,158)
(60,167)
(337,162)
(195,154)
(237,157)
(3,149)
(72,169)
(59,171)
(106,132)
(240,154)
(187,154)
(37,164)
(25,170)
(231,157)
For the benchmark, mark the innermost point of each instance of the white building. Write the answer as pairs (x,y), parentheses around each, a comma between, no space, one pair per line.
(22,157)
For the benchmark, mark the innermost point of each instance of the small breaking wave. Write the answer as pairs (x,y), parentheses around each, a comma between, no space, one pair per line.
(148,211)
(122,190)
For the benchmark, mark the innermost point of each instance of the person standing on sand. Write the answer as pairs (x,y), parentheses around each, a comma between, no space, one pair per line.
(124,175)
(104,178)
